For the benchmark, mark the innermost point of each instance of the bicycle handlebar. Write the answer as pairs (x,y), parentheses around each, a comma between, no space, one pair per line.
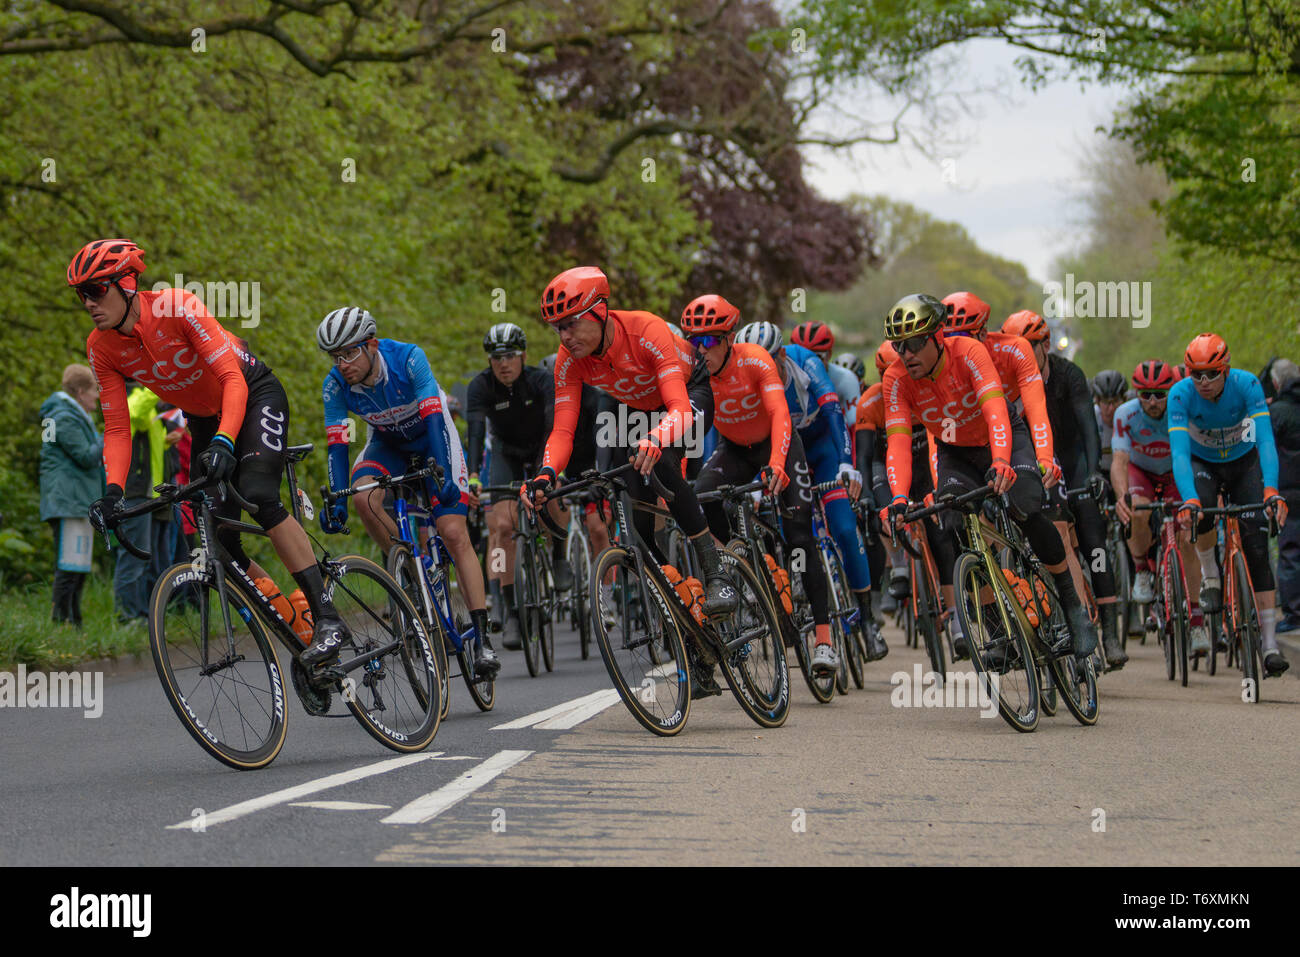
(167,495)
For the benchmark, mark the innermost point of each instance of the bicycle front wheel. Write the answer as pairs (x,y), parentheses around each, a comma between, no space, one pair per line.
(405,568)
(396,691)
(1248,626)
(1002,658)
(483,691)
(527,595)
(643,650)
(228,691)
(754,660)
(581,601)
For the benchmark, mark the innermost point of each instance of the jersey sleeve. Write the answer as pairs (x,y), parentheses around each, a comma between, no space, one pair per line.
(117,417)
(568,405)
(1119,439)
(476,407)
(898,434)
(336,431)
(672,383)
(1030,381)
(1180,442)
(1257,411)
(429,399)
(212,343)
(991,402)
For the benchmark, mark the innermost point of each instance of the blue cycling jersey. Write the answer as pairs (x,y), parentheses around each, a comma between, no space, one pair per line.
(1220,431)
(848,389)
(404,408)
(1143,439)
(814,404)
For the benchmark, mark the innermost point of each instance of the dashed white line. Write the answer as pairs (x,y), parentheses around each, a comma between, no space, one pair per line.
(553,718)
(571,719)
(429,806)
(341,806)
(301,790)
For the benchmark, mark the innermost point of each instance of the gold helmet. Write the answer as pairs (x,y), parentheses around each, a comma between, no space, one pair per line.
(915,315)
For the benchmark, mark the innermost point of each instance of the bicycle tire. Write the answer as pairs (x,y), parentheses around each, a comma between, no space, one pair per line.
(1074,680)
(419,704)
(580,601)
(855,644)
(1022,712)
(1047,691)
(1251,652)
(657,694)
(757,672)
(401,565)
(839,606)
(526,596)
(482,691)
(546,611)
(927,621)
(1178,602)
(254,684)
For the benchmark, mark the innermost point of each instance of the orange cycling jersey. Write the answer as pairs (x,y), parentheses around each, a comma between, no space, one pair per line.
(959,403)
(1014,359)
(749,403)
(871,410)
(645,367)
(163,352)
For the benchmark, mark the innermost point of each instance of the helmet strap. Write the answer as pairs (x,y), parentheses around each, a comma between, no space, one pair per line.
(603,329)
(130,301)
(725,359)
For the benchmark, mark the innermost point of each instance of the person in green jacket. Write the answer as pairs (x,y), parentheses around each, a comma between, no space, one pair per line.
(72,477)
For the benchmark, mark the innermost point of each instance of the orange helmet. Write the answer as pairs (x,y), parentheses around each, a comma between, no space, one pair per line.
(709,314)
(816,336)
(1207,351)
(885,355)
(967,313)
(573,292)
(105,259)
(1026,324)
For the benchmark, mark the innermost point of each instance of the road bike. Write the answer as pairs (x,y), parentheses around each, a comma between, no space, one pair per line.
(536,602)
(424,572)
(845,616)
(1167,613)
(208,633)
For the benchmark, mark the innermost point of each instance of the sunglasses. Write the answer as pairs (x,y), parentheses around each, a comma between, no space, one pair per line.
(704,342)
(93,291)
(913,345)
(499,356)
(1205,375)
(1153,396)
(344,358)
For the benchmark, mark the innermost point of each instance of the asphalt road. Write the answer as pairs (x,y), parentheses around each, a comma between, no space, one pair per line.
(1168,776)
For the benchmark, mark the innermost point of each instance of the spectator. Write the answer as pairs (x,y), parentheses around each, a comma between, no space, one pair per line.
(1285,413)
(133,577)
(72,477)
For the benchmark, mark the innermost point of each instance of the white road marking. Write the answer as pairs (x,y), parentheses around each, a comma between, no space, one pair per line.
(571,719)
(429,806)
(456,757)
(341,806)
(302,790)
(542,718)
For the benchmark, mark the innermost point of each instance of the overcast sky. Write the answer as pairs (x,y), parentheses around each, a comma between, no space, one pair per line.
(1014,182)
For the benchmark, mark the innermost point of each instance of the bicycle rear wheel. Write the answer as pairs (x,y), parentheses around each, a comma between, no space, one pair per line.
(927,620)
(546,611)
(228,692)
(657,692)
(1002,658)
(1075,681)
(840,606)
(482,690)
(1252,664)
(397,694)
(581,601)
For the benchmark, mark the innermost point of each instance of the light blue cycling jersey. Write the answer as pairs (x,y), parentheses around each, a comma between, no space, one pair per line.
(404,409)
(1143,439)
(808,391)
(1220,431)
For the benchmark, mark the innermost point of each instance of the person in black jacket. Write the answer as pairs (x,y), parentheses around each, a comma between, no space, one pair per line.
(1285,414)
(515,402)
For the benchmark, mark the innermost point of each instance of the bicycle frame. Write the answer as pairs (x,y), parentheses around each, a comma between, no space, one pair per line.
(433,565)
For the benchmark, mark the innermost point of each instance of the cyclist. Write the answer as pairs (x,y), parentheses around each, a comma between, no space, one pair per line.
(389,385)
(954,388)
(872,461)
(1109,389)
(815,411)
(237,409)
(1221,440)
(818,339)
(1078,447)
(515,402)
(1142,471)
(755,431)
(632,356)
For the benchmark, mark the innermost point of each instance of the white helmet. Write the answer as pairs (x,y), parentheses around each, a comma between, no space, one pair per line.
(676,330)
(763,334)
(345,327)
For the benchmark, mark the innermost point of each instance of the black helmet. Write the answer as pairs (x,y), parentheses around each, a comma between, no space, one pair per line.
(1109,384)
(504,337)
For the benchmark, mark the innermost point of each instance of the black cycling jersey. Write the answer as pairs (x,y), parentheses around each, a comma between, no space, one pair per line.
(1074,423)
(520,415)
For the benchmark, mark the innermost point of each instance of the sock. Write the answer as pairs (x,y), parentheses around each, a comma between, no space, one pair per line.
(558,546)
(707,553)
(508,596)
(313,589)
(1065,588)
(898,562)
(1142,564)
(1196,617)
(1209,568)
(479,617)
(1267,634)
(823,633)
